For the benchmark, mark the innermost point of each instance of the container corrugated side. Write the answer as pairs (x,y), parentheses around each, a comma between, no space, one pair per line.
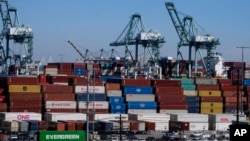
(110,117)
(93,105)
(149,116)
(189,117)
(114,93)
(142,105)
(141,111)
(20,116)
(137,90)
(64,116)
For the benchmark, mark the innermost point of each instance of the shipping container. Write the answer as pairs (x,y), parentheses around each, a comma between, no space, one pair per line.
(117,107)
(166,83)
(190,92)
(10,125)
(178,125)
(23,126)
(141,111)
(110,117)
(64,116)
(93,105)
(142,105)
(206,81)
(20,116)
(60,104)
(209,93)
(24,88)
(69,124)
(89,89)
(116,100)
(20,80)
(136,82)
(168,90)
(50,88)
(137,90)
(112,86)
(148,116)
(56,126)
(91,97)
(189,117)
(140,97)
(114,93)
(58,96)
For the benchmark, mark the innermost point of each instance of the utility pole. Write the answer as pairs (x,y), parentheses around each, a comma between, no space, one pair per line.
(242,75)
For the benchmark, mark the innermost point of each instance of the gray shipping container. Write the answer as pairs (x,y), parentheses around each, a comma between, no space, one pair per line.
(140,97)
(23,126)
(9,125)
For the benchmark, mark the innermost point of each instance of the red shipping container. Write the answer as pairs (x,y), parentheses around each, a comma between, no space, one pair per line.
(150,126)
(133,125)
(234,99)
(57,126)
(2,98)
(20,80)
(229,88)
(25,97)
(165,83)
(229,93)
(207,87)
(169,90)
(173,106)
(3,107)
(69,125)
(26,109)
(79,65)
(178,125)
(42,125)
(42,79)
(112,86)
(170,98)
(211,99)
(136,82)
(50,88)
(21,104)
(85,81)
(59,97)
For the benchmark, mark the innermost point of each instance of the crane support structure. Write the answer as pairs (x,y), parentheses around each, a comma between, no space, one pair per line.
(77,50)
(189,36)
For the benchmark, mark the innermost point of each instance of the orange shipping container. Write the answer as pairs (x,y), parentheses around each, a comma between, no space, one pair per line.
(112,86)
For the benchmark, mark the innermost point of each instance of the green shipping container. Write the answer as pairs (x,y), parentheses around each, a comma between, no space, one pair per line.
(62,136)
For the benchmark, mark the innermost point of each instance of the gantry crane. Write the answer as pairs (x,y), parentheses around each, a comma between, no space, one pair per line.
(136,34)
(189,36)
(21,34)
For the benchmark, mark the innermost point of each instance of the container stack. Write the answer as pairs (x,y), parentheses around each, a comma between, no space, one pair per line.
(116,101)
(210,95)
(90,94)
(58,97)
(24,93)
(169,94)
(139,96)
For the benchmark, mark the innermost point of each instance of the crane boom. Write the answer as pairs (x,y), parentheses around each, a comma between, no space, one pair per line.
(76,49)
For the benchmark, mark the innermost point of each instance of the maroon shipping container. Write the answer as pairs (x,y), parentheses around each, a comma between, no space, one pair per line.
(26,109)
(136,82)
(84,81)
(25,97)
(57,126)
(22,104)
(97,111)
(225,81)
(61,79)
(2,98)
(173,106)
(207,87)
(59,97)
(170,99)
(211,99)
(133,125)
(165,83)
(150,126)
(79,65)
(228,87)
(42,125)
(20,80)
(229,93)
(178,125)
(69,125)
(50,88)
(3,107)
(234,99)
(168,90)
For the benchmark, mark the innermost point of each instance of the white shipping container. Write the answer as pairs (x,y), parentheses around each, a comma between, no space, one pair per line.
(190,93)
(219,126)
(60,105)
(64,116)
(93,105)
(223,117)
(198,126)
(164,111)
(149,116)
(189,117)
(161,126)
(10,125)
(141,126)
(140,97)
(20,116)
(141,111)
(90,89)
(114,93)
(110,117)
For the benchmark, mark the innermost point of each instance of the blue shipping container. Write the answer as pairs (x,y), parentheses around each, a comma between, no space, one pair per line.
(142,105)
(137,90)
(192,98)
(92,97)
(116,100)
(247,82)
(117,107)
(33,125)
(79,71)
(193,110)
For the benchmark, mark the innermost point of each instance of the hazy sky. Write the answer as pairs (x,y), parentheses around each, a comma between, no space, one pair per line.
(93,24)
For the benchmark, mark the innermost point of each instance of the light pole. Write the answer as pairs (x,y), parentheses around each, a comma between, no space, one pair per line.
(242,75)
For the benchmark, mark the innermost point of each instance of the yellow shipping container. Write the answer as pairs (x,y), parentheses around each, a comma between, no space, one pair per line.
(211,110)
(209,93)
(24,88)
(211,104)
